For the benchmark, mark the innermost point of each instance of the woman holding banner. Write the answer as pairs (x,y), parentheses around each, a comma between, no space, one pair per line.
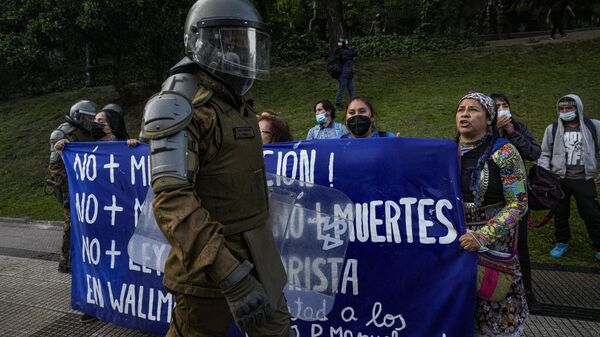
(109,125)
(495,199)
(360,119)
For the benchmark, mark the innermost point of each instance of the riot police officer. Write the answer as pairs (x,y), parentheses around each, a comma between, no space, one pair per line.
(78,127)
(208,176)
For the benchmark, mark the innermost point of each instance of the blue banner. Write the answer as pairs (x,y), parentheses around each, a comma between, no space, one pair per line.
(404,273)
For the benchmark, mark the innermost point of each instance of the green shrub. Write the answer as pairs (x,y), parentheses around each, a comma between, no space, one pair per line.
(393,45)
(295,49)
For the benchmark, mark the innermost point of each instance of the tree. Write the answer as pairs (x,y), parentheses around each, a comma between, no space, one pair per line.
(335,23)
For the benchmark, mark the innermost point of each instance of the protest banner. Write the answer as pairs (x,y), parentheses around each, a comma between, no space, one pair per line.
(403,274)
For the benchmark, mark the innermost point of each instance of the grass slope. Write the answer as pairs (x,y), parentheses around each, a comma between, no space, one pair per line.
(416,96)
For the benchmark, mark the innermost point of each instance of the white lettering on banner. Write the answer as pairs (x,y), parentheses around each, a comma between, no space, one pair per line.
(112,166)
(368,226)
(316,330)
(301,166)
(346,213)
(322,275)
(331,157)
(85,169)
(113,209)
(439,211)
(388,320)
(424,223)
(138,166)
(375,222)
(94,292)
(299,310)
(135,267)
(390,324)
(282,166)
(112,252)
(131,299)
(82,206)
(153,252)
(137,209)
(408,202)
(91,250)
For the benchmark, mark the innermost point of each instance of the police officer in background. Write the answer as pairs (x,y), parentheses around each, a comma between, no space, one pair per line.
(78,127)
(208,176)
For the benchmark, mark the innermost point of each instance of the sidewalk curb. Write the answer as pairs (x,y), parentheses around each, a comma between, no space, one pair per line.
(32,221)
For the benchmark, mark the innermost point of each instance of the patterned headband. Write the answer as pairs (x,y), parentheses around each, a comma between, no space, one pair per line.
(485,100)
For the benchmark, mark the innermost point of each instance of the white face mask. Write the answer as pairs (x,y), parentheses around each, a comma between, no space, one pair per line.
(568,116)
(502,113)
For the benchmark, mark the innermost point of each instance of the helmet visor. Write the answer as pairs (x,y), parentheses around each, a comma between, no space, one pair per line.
(238,51)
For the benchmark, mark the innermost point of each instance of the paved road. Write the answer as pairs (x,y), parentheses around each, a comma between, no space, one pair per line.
(544,39)
(34,297)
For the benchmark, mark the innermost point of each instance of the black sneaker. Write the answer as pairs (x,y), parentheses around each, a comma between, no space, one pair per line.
(85,318)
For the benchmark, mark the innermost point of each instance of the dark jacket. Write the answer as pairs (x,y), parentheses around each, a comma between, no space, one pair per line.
(523,140)
(347,55)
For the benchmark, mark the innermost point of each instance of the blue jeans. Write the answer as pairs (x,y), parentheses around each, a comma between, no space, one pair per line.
(344,82)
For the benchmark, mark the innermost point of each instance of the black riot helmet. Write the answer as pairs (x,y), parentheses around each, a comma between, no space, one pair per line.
(112,107)
(82,113)
(229,39)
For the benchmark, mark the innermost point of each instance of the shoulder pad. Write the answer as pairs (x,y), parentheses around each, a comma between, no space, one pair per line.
(186,65)
(165,114)
(183,84)
(56,135)
(171,109)
(60,132)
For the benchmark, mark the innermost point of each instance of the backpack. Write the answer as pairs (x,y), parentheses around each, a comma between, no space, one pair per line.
(334,66)
(544,192)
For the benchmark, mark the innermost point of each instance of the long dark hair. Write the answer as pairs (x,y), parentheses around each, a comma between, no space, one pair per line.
(499,96)
(116,123)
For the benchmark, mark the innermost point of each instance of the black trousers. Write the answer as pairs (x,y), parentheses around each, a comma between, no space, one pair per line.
(585,195)
(557,23)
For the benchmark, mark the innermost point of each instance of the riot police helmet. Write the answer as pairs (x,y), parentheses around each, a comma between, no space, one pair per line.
(83,112)
(112,107)
(229,39)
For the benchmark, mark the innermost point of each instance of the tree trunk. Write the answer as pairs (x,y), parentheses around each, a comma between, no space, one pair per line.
(117,74)
(335,23)
(90,71)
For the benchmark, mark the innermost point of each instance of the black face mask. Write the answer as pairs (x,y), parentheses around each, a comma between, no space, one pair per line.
(359,125)
(97,130)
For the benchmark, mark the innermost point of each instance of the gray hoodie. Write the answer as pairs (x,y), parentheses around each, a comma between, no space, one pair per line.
(553,155)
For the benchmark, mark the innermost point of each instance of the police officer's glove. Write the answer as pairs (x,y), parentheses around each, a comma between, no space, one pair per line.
(246,297)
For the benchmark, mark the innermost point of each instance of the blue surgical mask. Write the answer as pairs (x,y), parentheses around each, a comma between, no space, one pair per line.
(321,118)
(568,116)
